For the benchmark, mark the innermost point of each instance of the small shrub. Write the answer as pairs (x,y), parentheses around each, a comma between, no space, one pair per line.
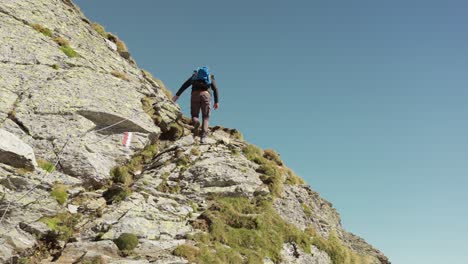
(126,241)
(116,193)
(194,206)
(63,224)
(253,153)
(61,41)
(120,174)
(292,178)
(59,192)
(46,165)
(69,51)
(236,134)
(183,161)
(100,30)
(244,231)
(120,75)
(339,253)
(45,31)
(165,187)
(187,251)
(195,152)
(273,156)
(55,67)
(121,47)
(272,177)
(173,132)
(149,152)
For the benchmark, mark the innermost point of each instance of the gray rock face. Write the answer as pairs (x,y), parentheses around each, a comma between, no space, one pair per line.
(75,110)
(15,152)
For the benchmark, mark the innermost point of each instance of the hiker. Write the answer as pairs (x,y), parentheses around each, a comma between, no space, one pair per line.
(201,81)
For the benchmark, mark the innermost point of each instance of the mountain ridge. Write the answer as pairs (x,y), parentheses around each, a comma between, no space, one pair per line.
(69,90)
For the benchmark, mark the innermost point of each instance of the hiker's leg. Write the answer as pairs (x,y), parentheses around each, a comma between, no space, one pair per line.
(206,111)
(195,105)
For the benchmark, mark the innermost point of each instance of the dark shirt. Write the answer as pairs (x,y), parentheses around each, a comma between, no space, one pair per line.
(199,86)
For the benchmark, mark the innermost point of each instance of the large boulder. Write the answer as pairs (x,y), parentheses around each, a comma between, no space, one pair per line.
(15,152)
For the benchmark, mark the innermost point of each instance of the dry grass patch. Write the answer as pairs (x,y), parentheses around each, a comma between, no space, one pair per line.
(120,75)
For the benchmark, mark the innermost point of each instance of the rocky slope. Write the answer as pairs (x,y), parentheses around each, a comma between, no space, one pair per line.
(71,192)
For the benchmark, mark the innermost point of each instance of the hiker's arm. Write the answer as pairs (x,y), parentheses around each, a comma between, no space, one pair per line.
(215,89)
(182,88)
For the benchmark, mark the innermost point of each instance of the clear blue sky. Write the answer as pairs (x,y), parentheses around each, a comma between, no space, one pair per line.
(366,100)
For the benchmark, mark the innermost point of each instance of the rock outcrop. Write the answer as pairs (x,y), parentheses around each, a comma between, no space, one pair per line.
(68,93)
(15,152)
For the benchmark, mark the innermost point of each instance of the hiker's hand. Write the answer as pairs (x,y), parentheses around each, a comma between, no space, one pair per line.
(216,106)
(174,99)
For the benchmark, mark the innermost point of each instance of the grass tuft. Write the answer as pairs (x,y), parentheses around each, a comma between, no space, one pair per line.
(63,224)
(46,165)
(61,41)
(45,31)
(120,75)
(69,51)
(100,30)
(59,192)
(273,156)
(116,194)
(121,175)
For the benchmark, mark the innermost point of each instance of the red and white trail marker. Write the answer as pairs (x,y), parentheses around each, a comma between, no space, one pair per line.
(127,139)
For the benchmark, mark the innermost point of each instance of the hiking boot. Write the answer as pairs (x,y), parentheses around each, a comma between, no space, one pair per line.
(195,129)
(202,139)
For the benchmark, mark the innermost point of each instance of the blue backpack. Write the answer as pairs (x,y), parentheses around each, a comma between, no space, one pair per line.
(202,74)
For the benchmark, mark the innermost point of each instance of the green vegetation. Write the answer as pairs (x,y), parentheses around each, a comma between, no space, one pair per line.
(45,31)
(292,178)
(116,193)
(61,41)
(65,47)
(233,133)
(271,172)
(173,132)
(120,75)
(126,242)
(339,253)
(149,152)
(307,210)
(236,134)
(24,260)
(254,154)
(251,229)
(273,156)
(69,51)
(271,168)
(55,66)
(194,206)
(100,30)
(121,175)
(165,187)
(46,165)
(63,224)
(121,47)
(240,230)
(59,192)
(195,152)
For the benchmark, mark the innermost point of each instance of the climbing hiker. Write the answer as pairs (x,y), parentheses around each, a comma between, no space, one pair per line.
(201,81)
